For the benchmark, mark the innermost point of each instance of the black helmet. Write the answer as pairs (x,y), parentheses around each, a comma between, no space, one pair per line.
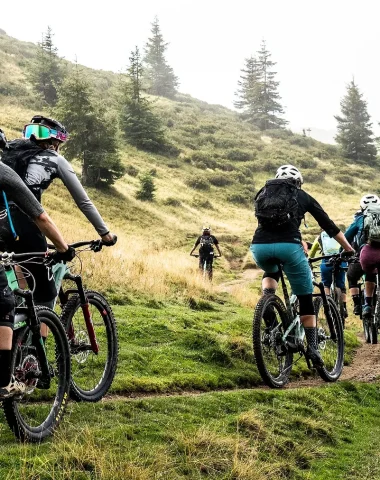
(58,131)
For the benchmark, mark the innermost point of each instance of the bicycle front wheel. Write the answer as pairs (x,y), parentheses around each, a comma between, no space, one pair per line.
(273,359)
(330,340)
(91,373)
(35,415)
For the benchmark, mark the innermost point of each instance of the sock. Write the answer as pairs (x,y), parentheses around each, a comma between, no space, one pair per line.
(368,301)
(5,367)
(312,337)
(356,299)
(269,291)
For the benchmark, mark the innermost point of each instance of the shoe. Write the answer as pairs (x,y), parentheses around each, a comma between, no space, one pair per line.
(357,310)
(314,356)
(13,388)
(367,311)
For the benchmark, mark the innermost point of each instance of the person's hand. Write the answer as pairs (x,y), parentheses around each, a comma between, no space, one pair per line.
(65,256)
(109,239)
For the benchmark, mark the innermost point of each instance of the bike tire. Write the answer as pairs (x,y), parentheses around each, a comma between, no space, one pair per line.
(330,340)
(366,330)
(91,375)
(267,339)
(373,324)
(36,415)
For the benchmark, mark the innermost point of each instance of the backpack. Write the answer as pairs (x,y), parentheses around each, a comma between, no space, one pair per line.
(19,153)
(206,244)
(276,203)
(329,245)
(372,223)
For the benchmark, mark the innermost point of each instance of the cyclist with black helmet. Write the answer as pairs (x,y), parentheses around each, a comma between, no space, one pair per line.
(206,243)
(36,159)
(280,207)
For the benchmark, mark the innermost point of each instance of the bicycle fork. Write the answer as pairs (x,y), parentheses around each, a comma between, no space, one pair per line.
(85,306)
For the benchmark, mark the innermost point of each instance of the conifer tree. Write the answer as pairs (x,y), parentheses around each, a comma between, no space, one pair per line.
(355,135)
(46,73)
(141,127)
(93,138)
(160,75)
(258,95)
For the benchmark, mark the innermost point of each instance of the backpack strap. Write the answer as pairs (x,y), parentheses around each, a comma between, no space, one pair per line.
(15,236)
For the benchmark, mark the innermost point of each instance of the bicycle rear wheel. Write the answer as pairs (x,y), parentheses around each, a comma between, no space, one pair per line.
(91,374)
(35,415)
(273,359)
(330,340)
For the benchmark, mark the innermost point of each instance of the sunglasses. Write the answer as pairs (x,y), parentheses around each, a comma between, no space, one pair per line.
(42,132)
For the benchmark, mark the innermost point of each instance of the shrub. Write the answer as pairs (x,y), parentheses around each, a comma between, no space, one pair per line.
(131,171)
(307,162)
(170,123)
(200,202)
(227,167)
(238,198)
(313,176)
(147,188)
(219,180)
(240,155)
(172,202)
(198,183)
(344,178)
(204,160)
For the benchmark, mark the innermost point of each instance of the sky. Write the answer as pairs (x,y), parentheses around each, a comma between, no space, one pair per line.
(319,45)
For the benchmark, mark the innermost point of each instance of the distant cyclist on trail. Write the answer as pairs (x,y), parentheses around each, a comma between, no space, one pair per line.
(206,243)
(357,235)
(37,160)
(280,207)
(325,245)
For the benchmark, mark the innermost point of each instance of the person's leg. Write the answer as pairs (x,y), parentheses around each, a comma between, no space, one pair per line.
(369,258)
(354,274)
(326,276)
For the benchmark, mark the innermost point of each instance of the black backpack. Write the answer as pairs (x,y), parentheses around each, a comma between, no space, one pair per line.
(276,203)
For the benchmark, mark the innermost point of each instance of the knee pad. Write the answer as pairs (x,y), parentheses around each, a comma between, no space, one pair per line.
(274,275)
(306,304)
(370,277)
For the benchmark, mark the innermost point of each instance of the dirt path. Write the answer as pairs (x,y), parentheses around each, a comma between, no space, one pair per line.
(247,276)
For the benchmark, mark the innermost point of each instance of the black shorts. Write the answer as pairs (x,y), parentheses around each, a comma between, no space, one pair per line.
(355,273)
(30,240)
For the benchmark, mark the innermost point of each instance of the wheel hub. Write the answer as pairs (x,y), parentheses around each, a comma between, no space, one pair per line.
(80,340)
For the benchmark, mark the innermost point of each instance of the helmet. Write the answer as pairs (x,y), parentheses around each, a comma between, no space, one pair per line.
(288,171)
(369,199)
(57,130)
(206,230)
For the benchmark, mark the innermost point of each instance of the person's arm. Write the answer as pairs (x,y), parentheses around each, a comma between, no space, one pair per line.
(198,241)
(73,185)
(314,248)
(49,229)
(216,243)
(342,240)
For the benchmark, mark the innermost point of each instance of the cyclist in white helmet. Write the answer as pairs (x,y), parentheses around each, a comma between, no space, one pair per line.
(357,237)
(280,207)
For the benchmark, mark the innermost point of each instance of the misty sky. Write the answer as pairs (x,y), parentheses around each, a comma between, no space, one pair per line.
(319,45)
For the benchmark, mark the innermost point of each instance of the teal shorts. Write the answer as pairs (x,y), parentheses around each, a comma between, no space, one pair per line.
(294,261)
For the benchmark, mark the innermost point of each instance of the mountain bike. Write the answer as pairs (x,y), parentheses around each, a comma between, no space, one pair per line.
(207,265)
(371,324)
(91,329)
(278,335)
(43,366)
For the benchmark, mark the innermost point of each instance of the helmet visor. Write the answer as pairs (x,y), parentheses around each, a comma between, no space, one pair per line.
(40,132)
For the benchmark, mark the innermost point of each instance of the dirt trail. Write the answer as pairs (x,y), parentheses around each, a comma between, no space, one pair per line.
(248,276)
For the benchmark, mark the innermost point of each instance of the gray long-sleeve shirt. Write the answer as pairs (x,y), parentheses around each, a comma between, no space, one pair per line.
(42,170)
(16,190)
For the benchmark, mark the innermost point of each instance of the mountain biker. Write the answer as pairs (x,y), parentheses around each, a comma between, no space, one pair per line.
(356,236)
(12,185)
(329,246)
(280,207)
(206,249)
(36,158)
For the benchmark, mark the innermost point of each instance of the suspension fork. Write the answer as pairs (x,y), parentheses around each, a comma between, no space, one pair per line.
(35,327)
(86,312)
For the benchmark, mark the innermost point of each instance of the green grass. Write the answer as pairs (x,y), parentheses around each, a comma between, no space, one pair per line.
(247,435)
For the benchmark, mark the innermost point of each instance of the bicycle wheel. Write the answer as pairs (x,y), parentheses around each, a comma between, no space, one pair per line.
(91,374)
(35,415)
(373,324)
(330,340)
(273,359)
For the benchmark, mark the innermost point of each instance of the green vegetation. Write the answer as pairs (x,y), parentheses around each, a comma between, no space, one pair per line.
(147,188)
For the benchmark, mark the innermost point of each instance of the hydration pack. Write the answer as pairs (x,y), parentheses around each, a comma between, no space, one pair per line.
(372,223)
(276,203)
(206,243)
(329,245)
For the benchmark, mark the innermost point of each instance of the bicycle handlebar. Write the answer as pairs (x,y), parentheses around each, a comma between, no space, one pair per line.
(344,256)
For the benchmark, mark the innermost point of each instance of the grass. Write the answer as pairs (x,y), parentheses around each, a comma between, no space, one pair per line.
(246,435)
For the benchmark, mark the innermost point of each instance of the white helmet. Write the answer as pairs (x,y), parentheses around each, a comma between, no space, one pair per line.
(369,199)
(288,171)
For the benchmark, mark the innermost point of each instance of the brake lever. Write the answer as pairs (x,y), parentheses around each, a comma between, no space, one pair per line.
(96,246)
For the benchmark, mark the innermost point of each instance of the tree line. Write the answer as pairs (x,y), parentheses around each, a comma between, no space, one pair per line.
(94,139)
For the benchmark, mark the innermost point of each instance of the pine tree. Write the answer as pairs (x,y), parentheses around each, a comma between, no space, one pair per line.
(258,95)
(46,73)
(354,127)
(159,74)
(141,127)
(92,133)
(147,188)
